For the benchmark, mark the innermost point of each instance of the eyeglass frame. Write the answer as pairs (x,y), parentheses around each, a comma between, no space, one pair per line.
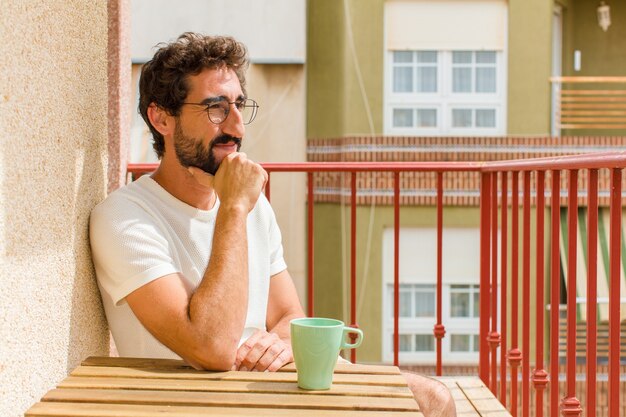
(221,99)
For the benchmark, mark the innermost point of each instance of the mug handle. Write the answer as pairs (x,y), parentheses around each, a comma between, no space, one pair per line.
(346,330)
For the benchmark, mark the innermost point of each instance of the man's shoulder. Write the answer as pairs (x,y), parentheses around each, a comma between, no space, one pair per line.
(123,200)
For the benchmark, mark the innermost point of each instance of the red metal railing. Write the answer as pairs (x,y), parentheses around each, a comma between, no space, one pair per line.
(494,331)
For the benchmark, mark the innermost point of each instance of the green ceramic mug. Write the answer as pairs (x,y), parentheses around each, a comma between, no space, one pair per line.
(316,343)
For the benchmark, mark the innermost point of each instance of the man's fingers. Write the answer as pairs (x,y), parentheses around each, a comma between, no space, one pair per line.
(201,177)
(285,357)
(270,355)
(246,347)
(256,353)
(259,352)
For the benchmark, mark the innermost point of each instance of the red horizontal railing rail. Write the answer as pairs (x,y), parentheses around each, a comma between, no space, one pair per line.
(500,295)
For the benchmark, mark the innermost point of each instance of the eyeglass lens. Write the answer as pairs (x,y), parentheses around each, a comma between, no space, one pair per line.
(218,112)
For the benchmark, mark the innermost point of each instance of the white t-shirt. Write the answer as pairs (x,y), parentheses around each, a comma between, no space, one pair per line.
(141,232)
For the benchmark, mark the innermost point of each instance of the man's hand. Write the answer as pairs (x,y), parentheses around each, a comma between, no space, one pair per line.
(239,181)
(263,351)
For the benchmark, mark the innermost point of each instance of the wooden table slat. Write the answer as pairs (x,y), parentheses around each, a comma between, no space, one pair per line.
(153,372)
(222,399)
(164,364)
(55,409)
(228,386)
(481,397)
(118,387)
(464,407)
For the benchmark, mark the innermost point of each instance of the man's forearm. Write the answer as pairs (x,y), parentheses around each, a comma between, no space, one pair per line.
(219,305)
(282,327)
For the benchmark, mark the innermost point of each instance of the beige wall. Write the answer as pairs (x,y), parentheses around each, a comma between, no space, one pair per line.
(53,145)
(278,135)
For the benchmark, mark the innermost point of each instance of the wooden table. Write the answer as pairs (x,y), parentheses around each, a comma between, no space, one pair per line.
(109,387)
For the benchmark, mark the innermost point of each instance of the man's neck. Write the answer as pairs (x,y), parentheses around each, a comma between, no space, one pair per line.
(177,181)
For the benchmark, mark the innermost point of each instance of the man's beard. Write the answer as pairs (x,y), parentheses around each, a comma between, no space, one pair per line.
(192,152)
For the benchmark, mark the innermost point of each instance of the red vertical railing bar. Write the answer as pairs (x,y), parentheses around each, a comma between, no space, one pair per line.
(439,330)
(353,262)
(494,336)
(503,282)
(515,355)
(267,187)
(540,376)
(570,406)
(555,288)
(526,299)
(396,266)
(592,291)
(309,214)
(485,257)
(614,297)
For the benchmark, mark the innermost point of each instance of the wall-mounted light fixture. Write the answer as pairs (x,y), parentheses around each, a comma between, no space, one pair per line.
(604,16)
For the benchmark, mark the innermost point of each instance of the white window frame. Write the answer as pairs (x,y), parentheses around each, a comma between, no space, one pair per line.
(425,325)
(445,100)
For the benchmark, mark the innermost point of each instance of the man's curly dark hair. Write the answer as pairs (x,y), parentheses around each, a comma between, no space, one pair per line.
(163,79)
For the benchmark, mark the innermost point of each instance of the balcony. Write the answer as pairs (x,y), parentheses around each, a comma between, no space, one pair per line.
(577,353)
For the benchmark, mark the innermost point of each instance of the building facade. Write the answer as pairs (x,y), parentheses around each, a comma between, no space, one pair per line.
(446,80)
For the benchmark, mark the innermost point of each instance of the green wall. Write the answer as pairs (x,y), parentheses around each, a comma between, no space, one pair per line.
(332,244)
(529,66)
(602,53)
(336,105)
(330,238)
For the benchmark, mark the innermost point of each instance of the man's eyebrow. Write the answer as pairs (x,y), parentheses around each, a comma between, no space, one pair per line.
(217,99)
(211,100)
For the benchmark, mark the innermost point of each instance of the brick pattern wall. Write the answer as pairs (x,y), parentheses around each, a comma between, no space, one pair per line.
(460,188)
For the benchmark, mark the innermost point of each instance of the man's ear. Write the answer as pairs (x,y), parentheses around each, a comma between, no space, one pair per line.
(161,120)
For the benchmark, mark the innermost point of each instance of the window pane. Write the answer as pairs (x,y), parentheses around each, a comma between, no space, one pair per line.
(485,80)
(427,118)
(460,342)
(405,304)
(424,343)
(405,342)
(424,304)
(427,79)
(403,56)
(459,304)
(460,287)
(462,80)
(402,117)
(476,304)
(402,79)
(427,57)
(486,57)
(461,57)
(461,118)
(485,118)
(475,347)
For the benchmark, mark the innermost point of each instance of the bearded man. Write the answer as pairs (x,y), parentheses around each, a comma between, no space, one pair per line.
(189,260)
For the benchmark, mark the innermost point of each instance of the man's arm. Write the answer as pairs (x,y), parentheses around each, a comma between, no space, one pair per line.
(271,350)
(204,326)
(283,305)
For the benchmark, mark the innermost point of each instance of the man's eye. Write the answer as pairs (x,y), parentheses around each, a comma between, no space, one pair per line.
(240,105)
(214,106)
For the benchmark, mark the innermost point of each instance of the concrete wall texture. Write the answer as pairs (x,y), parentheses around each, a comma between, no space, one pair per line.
(53,147)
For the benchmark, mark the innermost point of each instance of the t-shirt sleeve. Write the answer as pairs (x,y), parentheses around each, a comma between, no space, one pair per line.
(277,262)
(128,249)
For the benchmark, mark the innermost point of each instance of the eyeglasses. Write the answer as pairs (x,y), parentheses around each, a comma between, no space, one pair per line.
(218,109)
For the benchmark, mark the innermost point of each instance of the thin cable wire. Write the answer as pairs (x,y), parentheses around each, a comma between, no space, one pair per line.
(370,120)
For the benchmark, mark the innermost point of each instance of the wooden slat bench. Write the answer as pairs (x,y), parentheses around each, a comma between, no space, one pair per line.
(115,387)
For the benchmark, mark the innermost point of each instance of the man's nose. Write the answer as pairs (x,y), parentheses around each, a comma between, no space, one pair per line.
(233,125)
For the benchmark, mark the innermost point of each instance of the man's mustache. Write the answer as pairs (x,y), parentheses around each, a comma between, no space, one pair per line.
(224,139)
